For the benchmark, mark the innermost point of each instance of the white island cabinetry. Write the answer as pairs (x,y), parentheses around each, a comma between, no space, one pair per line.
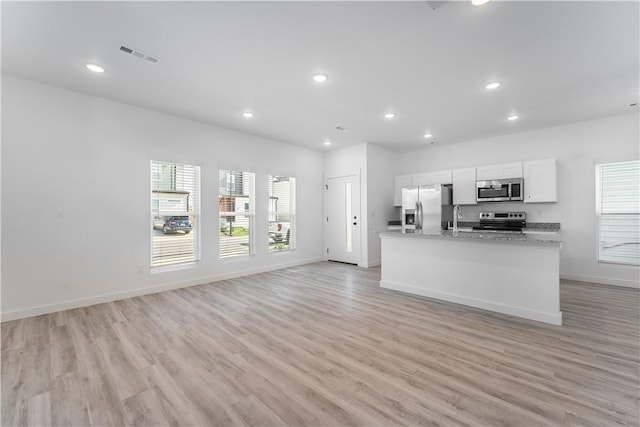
(516,275)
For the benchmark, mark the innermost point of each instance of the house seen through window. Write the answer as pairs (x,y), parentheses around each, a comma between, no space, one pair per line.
(282,203)
(175,204)
(236,213)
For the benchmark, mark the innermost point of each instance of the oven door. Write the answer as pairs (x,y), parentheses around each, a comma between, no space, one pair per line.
(492,191)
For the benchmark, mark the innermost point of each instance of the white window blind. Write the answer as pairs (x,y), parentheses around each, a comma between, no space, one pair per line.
(282,208)
(236,213)
(618,212)
(175,210)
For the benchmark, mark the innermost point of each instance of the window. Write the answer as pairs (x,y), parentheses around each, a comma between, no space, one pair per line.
(237,213)
(282,204)
(175,208)
(618,212)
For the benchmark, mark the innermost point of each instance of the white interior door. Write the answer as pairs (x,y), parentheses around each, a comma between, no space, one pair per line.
(343,219)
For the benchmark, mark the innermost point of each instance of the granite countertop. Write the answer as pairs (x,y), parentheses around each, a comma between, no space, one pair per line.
(552,227)
(508,238)
(547,227)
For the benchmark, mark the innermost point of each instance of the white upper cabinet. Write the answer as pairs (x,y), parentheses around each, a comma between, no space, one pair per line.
(420,179)
(511,170)
(429,178)
(442,177)
(464,186)
(503,171)
(540,181)
(486,173)
(400,182)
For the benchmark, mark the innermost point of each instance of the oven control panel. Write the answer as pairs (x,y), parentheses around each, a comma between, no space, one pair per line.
(502,216)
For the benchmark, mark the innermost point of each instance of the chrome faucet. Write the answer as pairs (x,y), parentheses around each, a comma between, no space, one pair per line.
(457,213)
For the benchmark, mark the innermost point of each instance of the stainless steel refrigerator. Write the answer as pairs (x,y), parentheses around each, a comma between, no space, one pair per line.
(427,207)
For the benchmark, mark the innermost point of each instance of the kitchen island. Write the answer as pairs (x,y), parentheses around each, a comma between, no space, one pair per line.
(516,274)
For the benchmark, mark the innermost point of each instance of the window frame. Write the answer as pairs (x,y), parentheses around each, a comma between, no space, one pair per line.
(598,169)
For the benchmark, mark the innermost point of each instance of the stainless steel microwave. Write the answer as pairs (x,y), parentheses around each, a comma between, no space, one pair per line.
(500,190)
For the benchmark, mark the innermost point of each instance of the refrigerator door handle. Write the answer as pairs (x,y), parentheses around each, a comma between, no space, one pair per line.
(419,216)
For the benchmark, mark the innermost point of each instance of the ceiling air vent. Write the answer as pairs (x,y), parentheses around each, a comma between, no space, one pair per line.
(436,4)
(138,53)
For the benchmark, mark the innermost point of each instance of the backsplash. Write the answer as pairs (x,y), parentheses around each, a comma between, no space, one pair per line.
(536,212)
(547,213)
(531,226)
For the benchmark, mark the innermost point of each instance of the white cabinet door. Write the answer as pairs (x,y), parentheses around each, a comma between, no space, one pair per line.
(400,182)
(540,181)
(511,170)
(429,178)
(421,179)
(464,186)
(441,177)
(503,171)
(486,173)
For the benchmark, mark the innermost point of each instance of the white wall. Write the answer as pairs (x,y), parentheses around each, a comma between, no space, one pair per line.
(576,147)
(379,198)
(76,197)
(346,161)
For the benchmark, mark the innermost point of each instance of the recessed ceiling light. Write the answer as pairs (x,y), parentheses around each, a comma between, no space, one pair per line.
(427,135)
(390,115)
(95,68)
(513,117)
(492,85)
(320,78)
(247,115)
(327,142)
(479,2)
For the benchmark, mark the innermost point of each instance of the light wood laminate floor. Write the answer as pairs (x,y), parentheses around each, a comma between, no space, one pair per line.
(322,344)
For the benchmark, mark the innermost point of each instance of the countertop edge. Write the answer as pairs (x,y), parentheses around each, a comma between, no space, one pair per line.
(528,240)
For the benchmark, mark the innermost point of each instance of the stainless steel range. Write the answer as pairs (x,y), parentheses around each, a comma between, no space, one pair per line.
(509,222)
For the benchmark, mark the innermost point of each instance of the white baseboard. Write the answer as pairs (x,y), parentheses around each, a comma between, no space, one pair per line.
(369,264)
(552,318)
(601,280)
(99,299)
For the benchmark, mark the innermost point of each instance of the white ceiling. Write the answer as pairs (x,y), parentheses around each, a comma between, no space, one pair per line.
(559,62)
